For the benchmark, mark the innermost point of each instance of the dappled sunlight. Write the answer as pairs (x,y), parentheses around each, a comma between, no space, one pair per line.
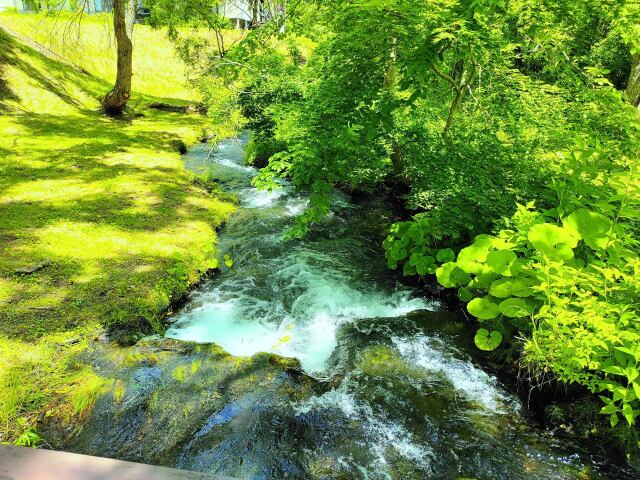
(104,205)
(92,45)
(88,241)
(8,288)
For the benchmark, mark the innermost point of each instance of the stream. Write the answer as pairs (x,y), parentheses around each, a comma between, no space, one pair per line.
(398,393)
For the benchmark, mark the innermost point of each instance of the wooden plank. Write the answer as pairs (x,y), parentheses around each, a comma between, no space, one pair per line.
(20,463)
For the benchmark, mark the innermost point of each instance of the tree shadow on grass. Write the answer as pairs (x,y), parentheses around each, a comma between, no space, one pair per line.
(6,58)
(105,195)
(101,200)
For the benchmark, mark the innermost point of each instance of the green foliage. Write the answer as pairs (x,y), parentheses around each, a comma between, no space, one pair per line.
(486,340)
(464,111)
(567,280)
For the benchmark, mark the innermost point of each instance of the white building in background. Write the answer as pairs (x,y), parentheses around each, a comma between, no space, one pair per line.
(242,13)
(11,5)
(25,6)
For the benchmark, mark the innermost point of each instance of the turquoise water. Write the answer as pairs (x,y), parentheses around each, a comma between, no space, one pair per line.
(402,397)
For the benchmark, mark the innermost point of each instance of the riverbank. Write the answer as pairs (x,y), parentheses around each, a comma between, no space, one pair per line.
(102,228)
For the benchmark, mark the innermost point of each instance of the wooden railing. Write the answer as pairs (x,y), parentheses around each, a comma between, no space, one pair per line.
(20,463)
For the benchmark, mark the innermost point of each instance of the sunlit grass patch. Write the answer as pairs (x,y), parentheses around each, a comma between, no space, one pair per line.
(158,71)
(100,226)
(42,378)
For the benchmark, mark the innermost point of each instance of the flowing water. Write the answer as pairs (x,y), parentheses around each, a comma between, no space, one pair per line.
(400,396)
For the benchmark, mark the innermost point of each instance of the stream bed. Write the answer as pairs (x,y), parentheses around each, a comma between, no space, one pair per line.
(396,392)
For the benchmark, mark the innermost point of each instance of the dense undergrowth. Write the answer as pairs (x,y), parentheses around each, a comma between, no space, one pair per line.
(504,129)
(100,224)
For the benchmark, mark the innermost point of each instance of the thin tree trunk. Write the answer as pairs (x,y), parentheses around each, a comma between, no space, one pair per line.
(389,83)
(633,86)
(255,13)
(124,15)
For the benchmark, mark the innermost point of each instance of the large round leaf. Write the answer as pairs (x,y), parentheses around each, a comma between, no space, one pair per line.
(465,295)
(555,242)
(472,258)
(446,255)
(515,308)
(500,262)
(426,265)
(486,340)
(521,287)
(483,308)
(483,281)
(450,275)
(592,227)
(502,288)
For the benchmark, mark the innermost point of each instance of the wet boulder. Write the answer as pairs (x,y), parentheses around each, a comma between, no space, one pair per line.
(170,401)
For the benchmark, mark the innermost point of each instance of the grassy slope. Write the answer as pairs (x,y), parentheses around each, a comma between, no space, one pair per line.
(107,204)
(90,43)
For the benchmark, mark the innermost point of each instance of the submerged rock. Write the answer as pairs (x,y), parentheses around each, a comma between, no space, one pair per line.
(176,403)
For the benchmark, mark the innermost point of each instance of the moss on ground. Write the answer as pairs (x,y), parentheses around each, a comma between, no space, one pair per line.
(99,226)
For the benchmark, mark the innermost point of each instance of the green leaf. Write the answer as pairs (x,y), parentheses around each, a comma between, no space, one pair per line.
(487,341)
(472,258)
(592,227)
(613,419)
(483,281)
(636,388)
(515,308)
(483,308)
(465,295)
(555,242)
(446,255)
(450,275)
(500,261)
(609,409)
(426,265)
(627,412)
(502,288)
(507,287)
(615,370)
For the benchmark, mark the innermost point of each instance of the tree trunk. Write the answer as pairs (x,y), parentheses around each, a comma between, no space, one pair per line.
(124,15)
(633,86)
(255,13)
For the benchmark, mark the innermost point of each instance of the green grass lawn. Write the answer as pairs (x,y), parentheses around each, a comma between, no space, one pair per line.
(104,212)
(90,44)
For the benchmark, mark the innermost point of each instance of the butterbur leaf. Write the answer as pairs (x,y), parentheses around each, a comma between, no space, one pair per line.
(522,287)
(515,308)
(472,258)
(450,275)
(592,227)
(486,340)
(443,275)
(509,287)
(483,308)
(408,270)
(446,255)
(483,281)
(501,288)
(500,262)
(555,242)
(465,295)
(398,253)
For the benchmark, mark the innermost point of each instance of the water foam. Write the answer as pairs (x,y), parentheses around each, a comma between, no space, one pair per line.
(431,354)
